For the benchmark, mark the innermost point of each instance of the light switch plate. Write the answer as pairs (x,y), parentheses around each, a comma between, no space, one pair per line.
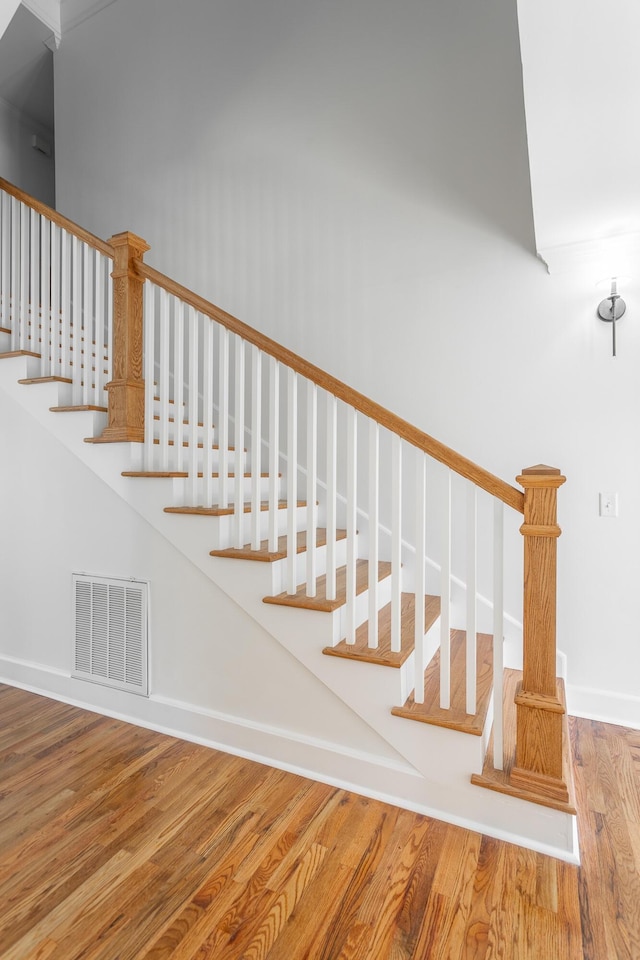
(608,504)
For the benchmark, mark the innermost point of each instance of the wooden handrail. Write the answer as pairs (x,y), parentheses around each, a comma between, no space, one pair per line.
(56,217)
(465,468)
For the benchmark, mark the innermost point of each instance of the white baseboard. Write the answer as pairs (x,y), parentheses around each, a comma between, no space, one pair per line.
(396,783)
(604,705)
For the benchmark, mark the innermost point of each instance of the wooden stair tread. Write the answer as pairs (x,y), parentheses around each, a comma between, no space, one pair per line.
(185,443)
(151,474)
(185,423)
(263,555)
(320,602)
(102,439)
(19,353)
(46,380)
(456,718)
(499,780)
(148,474)
(4,330)
(383,654)
(86,406)
(217,511)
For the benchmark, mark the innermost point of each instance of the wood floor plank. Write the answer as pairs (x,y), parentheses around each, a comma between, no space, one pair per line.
(122,843)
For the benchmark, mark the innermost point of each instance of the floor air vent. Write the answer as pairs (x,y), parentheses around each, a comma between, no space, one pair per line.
(110,635)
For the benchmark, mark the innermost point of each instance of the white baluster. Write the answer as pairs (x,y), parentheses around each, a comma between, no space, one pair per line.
(87,325)
(312,477)
(163,381)
(498,632)
(5,261)
(352,516)
(292,479)
(332,493)
(445,600)
(16,247)
(180,451)
(34,293)
(223,415)
(238,511)
(66,310)
(149,327)
(56,325)
(396,544)
(207,409)
(110,329)
(98,280)
(256,444)
(191,410)
(472,590)
(76,324)
(49,334)
(374,521)
(27,338)
(274,451)
(421,551)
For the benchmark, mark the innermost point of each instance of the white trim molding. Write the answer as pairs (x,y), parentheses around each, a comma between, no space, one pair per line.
(75,12)
(48,12)
(604,705)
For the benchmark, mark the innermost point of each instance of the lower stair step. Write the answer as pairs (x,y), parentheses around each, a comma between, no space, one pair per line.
(265,556)
(456,717)
(500,780)
(18,353)
(320,602)
(79,407)
(46,380)
(383,654)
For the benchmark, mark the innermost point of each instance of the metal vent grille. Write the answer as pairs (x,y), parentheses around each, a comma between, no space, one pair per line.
(110,635)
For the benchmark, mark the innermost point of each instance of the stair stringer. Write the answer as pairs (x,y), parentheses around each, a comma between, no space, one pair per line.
(443,790)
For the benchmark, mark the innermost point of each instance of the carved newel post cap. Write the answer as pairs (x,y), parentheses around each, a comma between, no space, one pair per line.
(137,245)
(540,468)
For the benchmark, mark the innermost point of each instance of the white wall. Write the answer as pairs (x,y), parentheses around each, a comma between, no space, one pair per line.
(352,178)
(19,162)
(206,654)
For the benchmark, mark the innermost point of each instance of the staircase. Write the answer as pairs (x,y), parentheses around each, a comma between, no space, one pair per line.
(361,544)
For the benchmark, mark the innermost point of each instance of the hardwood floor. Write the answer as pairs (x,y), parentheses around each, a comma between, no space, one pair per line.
(117,843)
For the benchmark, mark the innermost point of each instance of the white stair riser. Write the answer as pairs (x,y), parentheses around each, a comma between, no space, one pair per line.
(183,495)
(407,678)
(279,567)
(187,432)
(226,527)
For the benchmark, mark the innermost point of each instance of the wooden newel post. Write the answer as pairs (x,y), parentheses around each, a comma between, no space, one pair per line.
(539,708)
(126,387)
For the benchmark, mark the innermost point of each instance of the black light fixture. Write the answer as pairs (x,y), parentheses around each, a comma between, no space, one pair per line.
(611,309)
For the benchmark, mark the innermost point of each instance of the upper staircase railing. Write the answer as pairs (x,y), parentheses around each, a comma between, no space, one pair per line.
(229,410)
(56,299)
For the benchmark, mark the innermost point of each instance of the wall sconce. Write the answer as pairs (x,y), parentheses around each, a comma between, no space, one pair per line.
(611,309)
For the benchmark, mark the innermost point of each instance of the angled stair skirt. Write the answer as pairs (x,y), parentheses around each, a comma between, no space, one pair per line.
(427,768)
